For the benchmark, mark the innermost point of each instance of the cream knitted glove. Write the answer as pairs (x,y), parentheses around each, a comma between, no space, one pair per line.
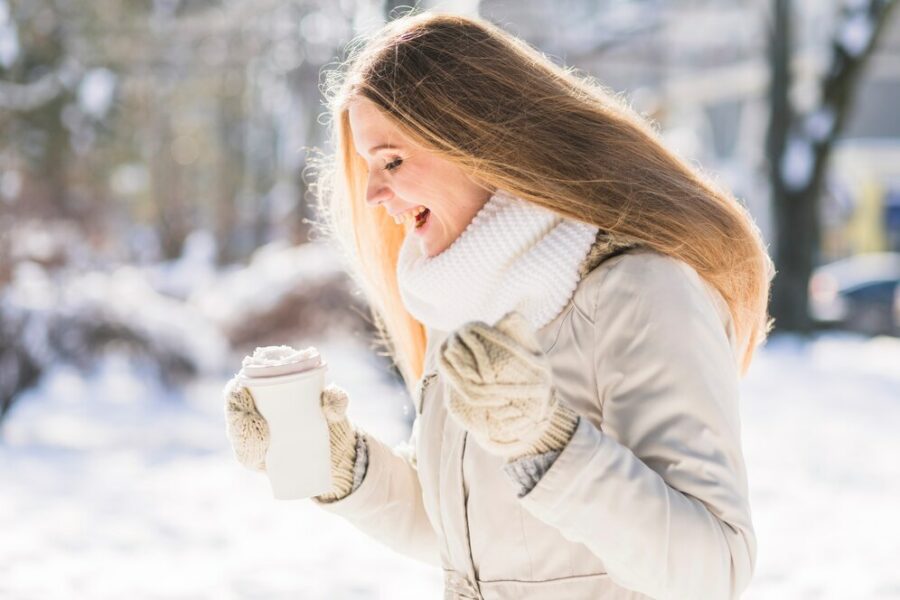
(343,442)
(501,388)
(248,433)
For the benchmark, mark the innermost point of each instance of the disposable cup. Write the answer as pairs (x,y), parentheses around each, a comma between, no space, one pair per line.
(288,396)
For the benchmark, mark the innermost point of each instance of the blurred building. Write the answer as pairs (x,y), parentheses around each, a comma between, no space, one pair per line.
(862,210)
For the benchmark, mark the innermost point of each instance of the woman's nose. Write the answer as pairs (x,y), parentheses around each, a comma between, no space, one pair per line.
(376,193)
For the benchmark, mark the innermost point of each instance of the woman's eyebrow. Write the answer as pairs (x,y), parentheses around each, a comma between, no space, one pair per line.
(374,149)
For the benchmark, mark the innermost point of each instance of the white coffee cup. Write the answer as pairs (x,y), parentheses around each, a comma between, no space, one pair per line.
(288,396)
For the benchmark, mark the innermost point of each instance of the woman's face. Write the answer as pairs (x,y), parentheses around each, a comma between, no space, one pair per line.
(404,177)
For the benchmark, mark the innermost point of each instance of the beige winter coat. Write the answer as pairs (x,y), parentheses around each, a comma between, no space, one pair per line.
(649,498)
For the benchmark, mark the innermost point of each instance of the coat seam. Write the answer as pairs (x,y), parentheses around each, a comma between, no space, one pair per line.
(550,580)
(525,541)
(595,309)
(465,506)
(562,316)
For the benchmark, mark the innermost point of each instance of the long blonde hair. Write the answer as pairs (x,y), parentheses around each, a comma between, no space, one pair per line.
(482,98)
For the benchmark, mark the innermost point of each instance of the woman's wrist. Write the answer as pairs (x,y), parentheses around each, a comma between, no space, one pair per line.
(562,425)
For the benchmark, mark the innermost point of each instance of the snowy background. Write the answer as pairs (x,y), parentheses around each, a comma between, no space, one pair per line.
(113,485)
(154,228)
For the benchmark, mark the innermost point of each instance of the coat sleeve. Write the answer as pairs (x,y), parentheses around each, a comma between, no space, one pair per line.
(388,504)
(657,489)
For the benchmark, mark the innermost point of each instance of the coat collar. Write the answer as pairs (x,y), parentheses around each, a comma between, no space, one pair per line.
(605,246)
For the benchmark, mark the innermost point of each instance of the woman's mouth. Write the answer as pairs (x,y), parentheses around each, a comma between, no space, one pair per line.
(421,219)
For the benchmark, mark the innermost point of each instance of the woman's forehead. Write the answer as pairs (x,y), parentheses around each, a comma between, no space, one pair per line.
(371,129)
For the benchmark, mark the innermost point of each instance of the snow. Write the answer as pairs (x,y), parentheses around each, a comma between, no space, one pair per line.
(855,33)
(95,92)
(277,268)
(9,41)
(820,439)
(797,163)
(852,5)
(194,270)
(10,186)
(820,123)
(111,486)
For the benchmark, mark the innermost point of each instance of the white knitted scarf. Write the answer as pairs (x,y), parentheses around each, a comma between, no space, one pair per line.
(513,255)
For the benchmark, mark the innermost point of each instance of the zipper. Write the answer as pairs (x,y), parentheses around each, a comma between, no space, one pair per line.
(420,392)
(465,502)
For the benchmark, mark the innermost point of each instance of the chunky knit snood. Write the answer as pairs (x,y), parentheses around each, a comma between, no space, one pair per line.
(582,247)
(513,255)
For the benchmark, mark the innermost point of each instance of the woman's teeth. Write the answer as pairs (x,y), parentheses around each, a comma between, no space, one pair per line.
(409,217)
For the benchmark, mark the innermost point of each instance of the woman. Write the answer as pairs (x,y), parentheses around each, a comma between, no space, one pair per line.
(571,306)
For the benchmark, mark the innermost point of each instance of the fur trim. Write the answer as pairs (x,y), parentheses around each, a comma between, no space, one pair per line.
(605,246)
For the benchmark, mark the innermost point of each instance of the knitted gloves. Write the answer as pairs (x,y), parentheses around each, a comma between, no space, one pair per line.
(248,433)
(501,388)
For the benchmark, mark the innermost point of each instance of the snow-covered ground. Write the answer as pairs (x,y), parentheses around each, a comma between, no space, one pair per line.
(821,434)
(112,488)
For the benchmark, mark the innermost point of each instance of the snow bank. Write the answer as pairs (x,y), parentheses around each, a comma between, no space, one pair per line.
(110,489)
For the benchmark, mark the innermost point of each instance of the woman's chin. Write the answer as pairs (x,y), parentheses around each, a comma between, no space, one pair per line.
(430,248)
(427,250)
(432,238)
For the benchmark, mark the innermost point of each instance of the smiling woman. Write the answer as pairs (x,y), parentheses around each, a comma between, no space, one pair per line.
(442,111)
(571,310)
(405,178)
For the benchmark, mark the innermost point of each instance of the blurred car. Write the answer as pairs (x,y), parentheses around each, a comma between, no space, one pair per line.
(897,305)
(860,293)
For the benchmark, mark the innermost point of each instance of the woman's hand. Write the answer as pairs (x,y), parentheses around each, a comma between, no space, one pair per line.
(501,388)
(246,428)
(248,433)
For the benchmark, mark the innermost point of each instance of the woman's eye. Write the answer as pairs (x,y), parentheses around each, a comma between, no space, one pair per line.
(393,164)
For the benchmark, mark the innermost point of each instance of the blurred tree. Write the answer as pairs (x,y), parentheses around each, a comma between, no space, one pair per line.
(39,80)
(173,114)
(799,144)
